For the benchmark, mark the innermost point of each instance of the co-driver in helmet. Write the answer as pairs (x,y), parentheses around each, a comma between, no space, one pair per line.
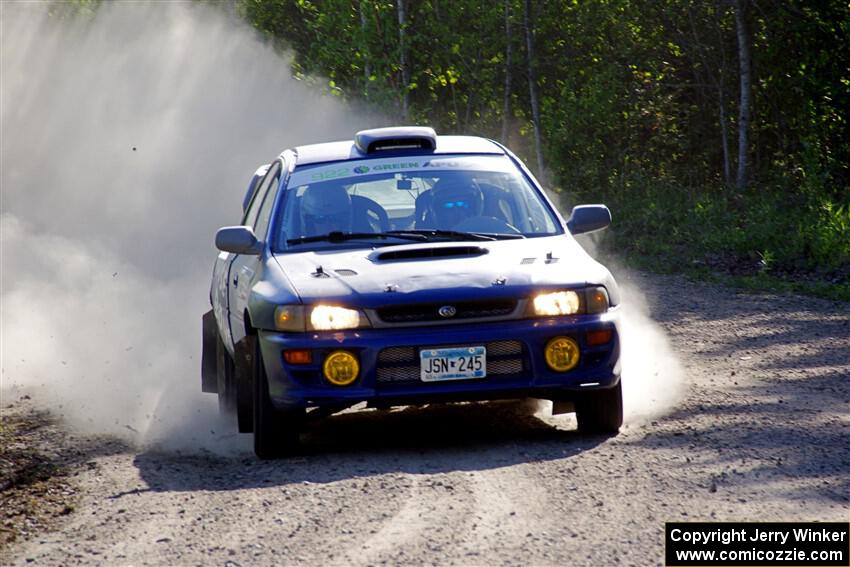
(325,209)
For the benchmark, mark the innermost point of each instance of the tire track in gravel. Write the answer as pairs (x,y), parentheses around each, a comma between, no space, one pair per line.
(506,506)
(762,433)
(397,530)
(476,516)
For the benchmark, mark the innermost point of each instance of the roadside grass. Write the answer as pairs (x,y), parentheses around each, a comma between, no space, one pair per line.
(767,240)
(757,282)
(34,487)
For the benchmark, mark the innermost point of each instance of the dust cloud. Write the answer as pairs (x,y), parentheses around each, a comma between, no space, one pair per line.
(654,380)
(128,137)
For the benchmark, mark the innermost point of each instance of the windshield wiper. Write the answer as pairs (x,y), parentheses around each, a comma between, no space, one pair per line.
(337,236)
(430,233)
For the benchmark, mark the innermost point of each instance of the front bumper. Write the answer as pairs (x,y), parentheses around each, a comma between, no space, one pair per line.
(391,378)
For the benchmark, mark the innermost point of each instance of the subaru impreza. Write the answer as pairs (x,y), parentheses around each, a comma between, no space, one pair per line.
(406,268)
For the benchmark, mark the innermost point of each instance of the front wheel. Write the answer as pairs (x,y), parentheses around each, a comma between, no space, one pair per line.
(276,433)
(600,411)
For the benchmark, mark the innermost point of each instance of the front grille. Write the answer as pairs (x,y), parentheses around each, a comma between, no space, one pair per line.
(400,365)
(502,348)
(398,374)
(424,312)
(397,354)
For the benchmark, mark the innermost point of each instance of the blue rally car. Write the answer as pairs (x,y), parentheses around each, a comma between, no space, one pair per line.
(406,268)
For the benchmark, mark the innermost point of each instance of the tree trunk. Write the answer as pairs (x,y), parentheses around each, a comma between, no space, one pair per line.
(506,111)
(364,32)
(454,105)
(741,7)
(468,118)
(724,133)
(405,73)
(717,81)
(532,85)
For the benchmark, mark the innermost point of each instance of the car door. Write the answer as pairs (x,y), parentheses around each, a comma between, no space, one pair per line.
(243,267)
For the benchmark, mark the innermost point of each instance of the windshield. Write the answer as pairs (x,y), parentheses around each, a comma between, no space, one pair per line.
(396,200)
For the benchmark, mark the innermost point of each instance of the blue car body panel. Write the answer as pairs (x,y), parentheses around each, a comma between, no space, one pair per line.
(304,386)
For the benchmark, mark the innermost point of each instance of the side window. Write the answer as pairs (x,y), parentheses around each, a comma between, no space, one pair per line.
(261,226)
(253,212)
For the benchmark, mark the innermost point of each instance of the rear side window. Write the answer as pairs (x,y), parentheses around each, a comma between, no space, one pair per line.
(259,211)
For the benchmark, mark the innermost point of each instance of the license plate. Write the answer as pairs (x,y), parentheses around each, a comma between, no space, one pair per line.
(457,363)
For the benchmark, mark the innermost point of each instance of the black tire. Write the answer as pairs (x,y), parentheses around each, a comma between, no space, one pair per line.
(244,352)
(276,433)
(225,370)
(600,411)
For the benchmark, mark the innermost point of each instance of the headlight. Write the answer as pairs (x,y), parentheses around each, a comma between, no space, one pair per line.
(570,302)
(332,318)
(300,318)
(557,303)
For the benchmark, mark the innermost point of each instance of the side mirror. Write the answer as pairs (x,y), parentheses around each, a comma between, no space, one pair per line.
(238,239)
(588,218)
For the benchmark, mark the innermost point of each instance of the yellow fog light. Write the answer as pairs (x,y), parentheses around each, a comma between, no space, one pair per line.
(562,354)
(341,368)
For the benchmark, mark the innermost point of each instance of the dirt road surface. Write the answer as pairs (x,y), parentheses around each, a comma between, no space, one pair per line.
(763,433)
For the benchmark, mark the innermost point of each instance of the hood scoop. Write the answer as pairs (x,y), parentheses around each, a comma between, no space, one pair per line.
(429,253)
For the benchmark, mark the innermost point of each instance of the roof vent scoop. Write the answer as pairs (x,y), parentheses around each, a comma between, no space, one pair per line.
(396,138)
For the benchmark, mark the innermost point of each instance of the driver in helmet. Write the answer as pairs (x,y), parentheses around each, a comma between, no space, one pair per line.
(325,209)
(454,200)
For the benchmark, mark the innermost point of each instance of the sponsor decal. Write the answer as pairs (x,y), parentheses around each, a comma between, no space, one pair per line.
(446,163)
(334,173)
(393,166)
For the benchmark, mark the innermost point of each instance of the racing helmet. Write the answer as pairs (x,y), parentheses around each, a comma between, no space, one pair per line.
(324,209)
(453,200)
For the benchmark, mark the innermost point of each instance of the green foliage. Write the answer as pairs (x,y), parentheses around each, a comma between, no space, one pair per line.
(73,8)
(767,233)
(636,100)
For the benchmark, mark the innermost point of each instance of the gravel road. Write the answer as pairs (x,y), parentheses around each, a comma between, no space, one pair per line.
(763,433)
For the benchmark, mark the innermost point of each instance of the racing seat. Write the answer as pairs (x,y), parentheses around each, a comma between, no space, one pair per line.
(368,215)
(499,203)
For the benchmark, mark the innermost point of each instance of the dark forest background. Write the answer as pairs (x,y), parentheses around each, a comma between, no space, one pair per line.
(716,130)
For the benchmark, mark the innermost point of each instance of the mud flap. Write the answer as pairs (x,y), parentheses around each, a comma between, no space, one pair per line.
(243,357)
(209,372)
(563,406)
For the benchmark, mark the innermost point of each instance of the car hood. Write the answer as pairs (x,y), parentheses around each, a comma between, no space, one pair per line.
(438,271)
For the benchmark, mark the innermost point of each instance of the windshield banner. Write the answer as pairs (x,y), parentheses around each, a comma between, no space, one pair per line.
(319,173)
